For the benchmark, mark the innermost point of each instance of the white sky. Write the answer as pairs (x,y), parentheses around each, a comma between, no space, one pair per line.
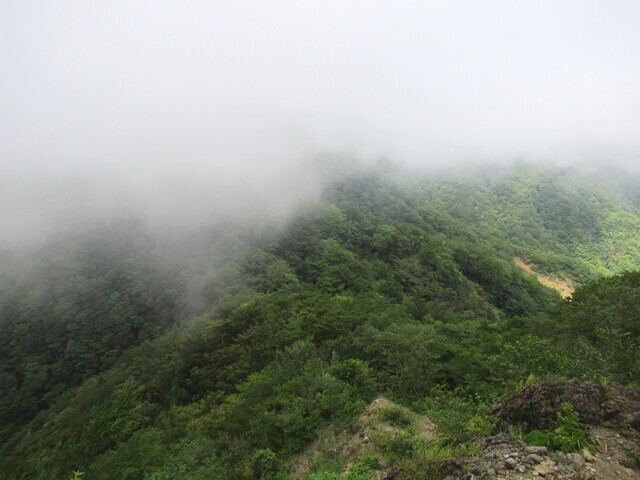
(231,96)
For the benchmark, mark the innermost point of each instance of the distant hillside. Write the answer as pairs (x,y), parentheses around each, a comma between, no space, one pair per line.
(564,222)
(405,290)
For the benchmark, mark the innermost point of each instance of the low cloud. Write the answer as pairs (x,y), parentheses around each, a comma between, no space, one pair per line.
(185,111)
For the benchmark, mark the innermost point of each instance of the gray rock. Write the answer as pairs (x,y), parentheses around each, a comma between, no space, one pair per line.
(585,474)
(510,463)
(578,460)
(536,450)
(534,458)
(587,456)
(544,469)
(536,405)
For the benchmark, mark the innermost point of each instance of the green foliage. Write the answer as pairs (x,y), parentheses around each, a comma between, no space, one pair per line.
(263,465)
(396,415)
(395,445)
(459,418)
(427,463)
(357,373)
(566,435)
(74,312)
(405,290)
(363,469)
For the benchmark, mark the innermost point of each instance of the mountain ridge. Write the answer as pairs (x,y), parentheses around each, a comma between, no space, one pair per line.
(400,289)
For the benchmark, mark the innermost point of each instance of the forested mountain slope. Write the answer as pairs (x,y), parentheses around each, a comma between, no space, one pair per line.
(563,220)
(402,289)
(69,309)
(72,313)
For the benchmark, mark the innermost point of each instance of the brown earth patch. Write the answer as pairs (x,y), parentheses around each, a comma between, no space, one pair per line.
(564,286)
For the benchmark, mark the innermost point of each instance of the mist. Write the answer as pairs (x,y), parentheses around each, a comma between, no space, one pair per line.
(186,112)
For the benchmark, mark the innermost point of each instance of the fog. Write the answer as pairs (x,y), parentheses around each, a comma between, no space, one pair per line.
(187,111)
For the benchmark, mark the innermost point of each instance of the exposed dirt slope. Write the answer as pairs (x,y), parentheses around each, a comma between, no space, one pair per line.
(564,286)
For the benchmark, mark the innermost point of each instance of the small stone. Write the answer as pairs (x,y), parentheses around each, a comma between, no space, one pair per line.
(491,472)
(587,456)
(534,458)
(536,450)
(544,469)
(510,463)
(584,474)
(521,468)
(578,460)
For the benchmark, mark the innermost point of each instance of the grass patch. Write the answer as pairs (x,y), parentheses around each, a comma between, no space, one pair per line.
(397,416)
(566,435)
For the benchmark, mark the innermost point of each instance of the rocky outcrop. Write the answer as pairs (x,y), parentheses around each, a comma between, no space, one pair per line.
(609,415)
(505,457)
(536,406)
